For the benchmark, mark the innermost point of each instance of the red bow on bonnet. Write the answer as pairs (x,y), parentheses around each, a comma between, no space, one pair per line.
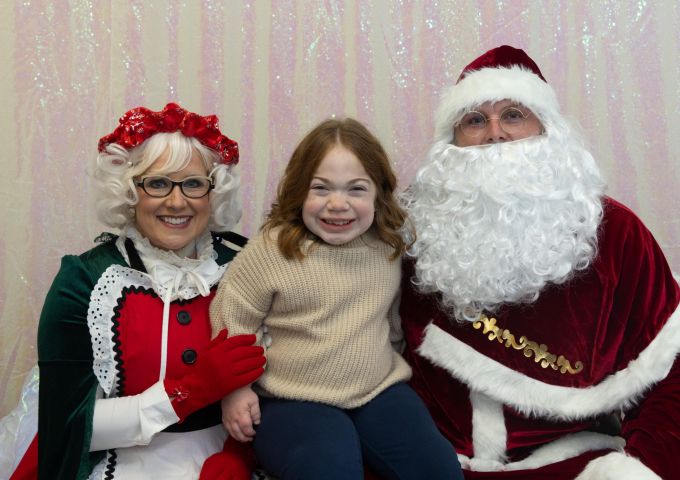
(140,123)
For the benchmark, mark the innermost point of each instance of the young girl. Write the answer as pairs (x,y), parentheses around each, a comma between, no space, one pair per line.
(323,277)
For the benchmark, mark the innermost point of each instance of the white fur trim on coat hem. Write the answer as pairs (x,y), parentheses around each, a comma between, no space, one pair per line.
(536,398)
(564,448)
(569,446)
(617,466)
(489,435)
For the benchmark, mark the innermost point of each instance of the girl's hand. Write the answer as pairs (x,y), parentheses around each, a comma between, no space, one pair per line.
(240,413)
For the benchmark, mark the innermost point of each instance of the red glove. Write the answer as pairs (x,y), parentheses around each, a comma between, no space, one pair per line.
(236,461)
(221,368)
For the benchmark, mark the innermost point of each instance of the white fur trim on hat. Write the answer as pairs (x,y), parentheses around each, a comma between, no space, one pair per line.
(491,85)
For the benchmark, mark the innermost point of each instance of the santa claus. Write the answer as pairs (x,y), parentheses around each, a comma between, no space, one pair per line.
(541,317)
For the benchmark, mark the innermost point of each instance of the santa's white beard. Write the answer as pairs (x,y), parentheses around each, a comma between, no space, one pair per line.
(496,223)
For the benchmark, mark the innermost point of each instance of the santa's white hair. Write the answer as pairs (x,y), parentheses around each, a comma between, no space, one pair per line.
(116,169)
(497,223)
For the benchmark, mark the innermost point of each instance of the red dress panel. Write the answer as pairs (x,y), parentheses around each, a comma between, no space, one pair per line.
(137,331)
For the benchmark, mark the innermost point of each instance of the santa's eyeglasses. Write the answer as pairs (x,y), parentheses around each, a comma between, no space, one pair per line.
(512,120)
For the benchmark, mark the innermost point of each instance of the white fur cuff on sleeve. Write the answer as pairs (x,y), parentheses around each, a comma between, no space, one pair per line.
(617,466)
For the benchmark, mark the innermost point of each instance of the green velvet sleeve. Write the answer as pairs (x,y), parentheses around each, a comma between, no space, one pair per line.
(67,383)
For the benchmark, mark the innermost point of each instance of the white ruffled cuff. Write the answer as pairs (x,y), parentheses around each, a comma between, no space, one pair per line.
(133,420)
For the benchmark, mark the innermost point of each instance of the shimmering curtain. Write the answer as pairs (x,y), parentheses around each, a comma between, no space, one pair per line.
(270,71)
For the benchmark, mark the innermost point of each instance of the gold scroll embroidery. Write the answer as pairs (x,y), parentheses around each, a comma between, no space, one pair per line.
(529,348)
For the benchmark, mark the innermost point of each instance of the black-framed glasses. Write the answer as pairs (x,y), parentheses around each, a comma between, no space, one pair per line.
(512,120)
(160,186)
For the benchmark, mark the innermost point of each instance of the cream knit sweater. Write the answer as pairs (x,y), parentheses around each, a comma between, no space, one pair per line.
(332,317)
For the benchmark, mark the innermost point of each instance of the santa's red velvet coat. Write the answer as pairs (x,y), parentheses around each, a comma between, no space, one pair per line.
(528,392)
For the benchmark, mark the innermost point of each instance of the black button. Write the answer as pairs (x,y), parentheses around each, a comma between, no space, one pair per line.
(183,317)
(189,356)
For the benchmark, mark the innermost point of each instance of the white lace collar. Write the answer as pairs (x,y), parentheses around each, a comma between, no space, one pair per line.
(173,276)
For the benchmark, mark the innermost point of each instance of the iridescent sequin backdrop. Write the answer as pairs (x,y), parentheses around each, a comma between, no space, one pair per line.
(270,71)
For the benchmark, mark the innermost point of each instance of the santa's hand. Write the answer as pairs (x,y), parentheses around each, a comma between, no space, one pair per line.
(240,413)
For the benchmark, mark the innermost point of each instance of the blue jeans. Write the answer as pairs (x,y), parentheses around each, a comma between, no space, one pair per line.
(393,434)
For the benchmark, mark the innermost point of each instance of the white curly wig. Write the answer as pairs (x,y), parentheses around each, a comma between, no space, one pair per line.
(116,168)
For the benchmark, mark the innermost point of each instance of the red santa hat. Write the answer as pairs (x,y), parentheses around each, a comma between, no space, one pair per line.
(502,73)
